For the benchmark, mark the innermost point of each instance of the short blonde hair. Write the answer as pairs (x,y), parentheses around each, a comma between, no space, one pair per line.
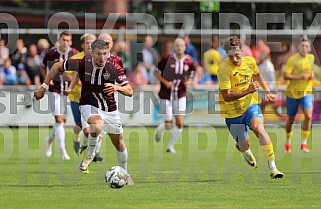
(87,36)
(43,43)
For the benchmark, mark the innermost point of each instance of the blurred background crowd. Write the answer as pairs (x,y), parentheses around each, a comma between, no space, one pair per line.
(204,21)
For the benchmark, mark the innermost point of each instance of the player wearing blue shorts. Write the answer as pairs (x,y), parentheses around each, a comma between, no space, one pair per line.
(239,80)
(298,72)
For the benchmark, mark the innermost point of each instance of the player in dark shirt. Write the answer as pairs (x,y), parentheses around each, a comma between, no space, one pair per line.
(57,98)
(100,78)
(174,72)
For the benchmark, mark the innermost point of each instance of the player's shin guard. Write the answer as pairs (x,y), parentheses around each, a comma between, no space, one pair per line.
(288,136)
(83,139)
(98,146)
(122,158)
(60,135)
(160,128)
(177,132)
(305,135)
(92,142)
(268,153)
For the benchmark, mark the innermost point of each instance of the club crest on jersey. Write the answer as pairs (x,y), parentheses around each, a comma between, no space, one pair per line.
(106,75)
(248,70)
(186,67)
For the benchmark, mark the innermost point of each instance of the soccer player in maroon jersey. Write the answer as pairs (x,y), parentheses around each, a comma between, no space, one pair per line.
(57,98)
(113,59)
(100,78)
(174,72)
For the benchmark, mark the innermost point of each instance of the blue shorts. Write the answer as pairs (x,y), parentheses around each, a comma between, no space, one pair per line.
(75,111)
(239,126)
(293,104)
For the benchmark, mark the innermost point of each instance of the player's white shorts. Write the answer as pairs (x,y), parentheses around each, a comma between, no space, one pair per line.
(84,125)
(112,122)
(58,103)
(168,108)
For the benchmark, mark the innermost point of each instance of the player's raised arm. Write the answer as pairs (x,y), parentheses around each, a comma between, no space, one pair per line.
(40,92)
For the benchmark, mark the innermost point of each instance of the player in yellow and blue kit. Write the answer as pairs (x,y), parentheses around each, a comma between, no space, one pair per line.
(239,80)
(298,72)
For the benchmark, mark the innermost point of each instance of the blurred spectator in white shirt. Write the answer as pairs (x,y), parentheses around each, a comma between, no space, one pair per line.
(33,64)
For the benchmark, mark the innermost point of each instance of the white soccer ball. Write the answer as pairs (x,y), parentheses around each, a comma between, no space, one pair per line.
(116,177)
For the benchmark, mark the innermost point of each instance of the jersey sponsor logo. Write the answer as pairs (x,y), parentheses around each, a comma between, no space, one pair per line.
(122,77)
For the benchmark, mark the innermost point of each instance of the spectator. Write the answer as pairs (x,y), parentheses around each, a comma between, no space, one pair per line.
(211,60)
(168,48)
(246,49)
(192,52)
(8,73)
(20,55)
(137,78)
(260,48)
(217,46)
(43,46)
(4,51)
(267,71)
(121,51)
(148,60)
(191,49)
(33,64)
(23,78)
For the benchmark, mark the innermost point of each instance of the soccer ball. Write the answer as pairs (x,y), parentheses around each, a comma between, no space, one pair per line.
(116,177)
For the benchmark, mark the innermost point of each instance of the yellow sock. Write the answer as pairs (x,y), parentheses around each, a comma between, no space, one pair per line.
(268,152)
(76,137)
(305,134)
(289,136)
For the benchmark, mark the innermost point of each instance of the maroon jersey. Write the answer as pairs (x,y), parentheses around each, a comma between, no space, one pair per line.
(93,79)
(178,71)
(51,57)
(116,59)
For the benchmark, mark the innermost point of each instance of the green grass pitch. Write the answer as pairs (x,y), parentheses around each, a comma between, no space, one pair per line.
(206,172)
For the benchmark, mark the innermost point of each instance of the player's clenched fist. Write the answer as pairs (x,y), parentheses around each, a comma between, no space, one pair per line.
(253,87)
(39,93)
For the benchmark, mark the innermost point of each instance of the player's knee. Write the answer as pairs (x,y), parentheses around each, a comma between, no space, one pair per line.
(86,131)
(308,118)
(168,126)
(258,129)
(179,124)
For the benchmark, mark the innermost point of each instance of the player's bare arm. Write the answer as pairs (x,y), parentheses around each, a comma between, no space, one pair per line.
(229,95)
(167,84)
(74,80)
(40,92)
(268,94)
(125,90)
(305,76)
